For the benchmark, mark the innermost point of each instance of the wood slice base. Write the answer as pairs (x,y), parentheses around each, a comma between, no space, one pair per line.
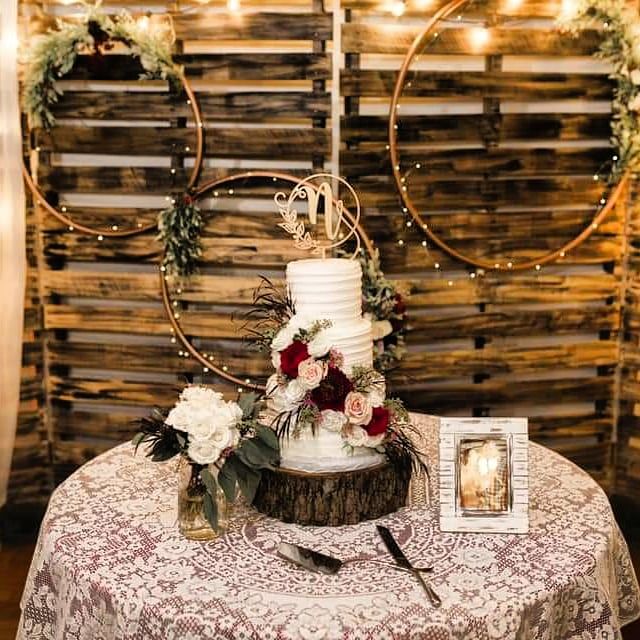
(332,499)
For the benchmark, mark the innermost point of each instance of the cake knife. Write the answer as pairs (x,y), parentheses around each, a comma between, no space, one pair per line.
(398,555)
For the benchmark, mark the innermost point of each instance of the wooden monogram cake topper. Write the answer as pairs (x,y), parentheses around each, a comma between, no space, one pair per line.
(339,225)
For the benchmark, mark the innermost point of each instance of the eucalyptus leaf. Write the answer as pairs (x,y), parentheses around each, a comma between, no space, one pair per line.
(209,481)
(211,511)
(228,479)
(269,437)
(254,455)
(248,402)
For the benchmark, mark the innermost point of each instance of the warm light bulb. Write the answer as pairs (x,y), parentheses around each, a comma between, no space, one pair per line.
(479,37)
(143,23)
(513,4)
(423,4)
(398,8)
(568,8)
(233,5)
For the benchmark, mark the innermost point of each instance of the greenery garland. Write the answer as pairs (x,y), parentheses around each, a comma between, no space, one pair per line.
(620,47)
(52,56)
(382,301)
(179,231)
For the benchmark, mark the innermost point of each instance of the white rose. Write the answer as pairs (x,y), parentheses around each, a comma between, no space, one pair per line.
(310,373)
(201,425)
(378,391)
(634,105)
(320,345)
(332,420)
(200,395)
(203,451)
(356,436)
(283,338)
(275,360)
(180,417)
(294,394)
(226,414)
(224,437)
(380,329)
(272,384)
(358,408)
(635,76)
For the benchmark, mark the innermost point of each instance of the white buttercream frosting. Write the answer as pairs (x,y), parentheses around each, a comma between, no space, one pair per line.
(325,451)
(331,289)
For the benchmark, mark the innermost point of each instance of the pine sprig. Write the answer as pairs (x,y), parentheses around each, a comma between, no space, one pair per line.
(179,231)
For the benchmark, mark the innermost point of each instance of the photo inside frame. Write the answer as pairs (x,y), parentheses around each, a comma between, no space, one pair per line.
(483,470)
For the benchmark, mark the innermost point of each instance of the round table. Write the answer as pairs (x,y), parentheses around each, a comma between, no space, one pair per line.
(111,564)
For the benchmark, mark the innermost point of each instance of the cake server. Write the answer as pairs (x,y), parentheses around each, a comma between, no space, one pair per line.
(398,555)
(309,559)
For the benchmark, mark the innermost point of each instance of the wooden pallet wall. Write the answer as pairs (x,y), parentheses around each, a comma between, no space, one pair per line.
(539,344)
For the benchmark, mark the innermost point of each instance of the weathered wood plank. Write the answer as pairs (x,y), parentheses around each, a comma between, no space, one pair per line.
(425,328)
(475,129)
(418,368)
(222,142)
(469,84)
(396,39)
(228,106)
(480,161)
(446,398)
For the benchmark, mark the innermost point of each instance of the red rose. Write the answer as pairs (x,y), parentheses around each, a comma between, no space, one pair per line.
(292,356)
(399,313)
(332,391)
(400,306)
(379,421)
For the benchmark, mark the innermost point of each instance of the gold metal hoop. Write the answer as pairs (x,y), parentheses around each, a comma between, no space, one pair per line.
(125,233)
(416,47)
(164,287)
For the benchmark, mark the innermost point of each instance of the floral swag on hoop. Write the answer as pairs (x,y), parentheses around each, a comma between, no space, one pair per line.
(619,25)
(53,55)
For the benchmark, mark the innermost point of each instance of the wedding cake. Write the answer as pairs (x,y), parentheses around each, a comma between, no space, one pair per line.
(331,290)
(345,455)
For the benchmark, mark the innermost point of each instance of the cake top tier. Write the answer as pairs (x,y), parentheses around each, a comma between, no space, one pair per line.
(326,289)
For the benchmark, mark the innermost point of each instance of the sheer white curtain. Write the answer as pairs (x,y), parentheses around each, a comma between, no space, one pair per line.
(12,239)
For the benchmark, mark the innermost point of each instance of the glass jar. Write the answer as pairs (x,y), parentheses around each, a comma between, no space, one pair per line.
(191,491)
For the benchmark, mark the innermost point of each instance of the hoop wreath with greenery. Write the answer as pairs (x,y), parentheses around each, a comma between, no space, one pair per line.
(180,227)
(53,55)
(621,48)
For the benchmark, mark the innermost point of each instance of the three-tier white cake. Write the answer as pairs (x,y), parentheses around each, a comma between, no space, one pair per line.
(330,289)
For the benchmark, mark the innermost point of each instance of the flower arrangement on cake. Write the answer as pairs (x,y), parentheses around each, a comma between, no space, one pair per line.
(223,447)
(312,389)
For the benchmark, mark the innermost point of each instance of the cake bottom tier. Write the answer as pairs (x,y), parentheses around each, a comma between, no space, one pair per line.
(332,499)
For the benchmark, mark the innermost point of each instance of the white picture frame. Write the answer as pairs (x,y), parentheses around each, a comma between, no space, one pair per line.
(484,475)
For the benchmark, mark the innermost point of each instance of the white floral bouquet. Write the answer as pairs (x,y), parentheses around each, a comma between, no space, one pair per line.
(224,440)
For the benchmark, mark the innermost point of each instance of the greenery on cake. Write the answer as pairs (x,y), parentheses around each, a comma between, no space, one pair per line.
(226,441)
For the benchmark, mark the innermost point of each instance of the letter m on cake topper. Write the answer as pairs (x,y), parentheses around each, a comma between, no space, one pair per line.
(339,224)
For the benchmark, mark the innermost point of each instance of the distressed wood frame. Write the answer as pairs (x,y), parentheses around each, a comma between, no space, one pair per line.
(455,518)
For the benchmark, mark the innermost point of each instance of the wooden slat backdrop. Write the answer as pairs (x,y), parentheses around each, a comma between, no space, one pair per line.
(544,345)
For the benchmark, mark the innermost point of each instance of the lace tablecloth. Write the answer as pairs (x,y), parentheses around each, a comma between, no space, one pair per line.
(111,564)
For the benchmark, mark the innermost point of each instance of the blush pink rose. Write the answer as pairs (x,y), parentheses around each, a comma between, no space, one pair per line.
(310,373)
(358,408)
